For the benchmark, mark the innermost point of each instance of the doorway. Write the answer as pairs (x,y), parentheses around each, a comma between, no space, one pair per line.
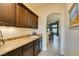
(54,41)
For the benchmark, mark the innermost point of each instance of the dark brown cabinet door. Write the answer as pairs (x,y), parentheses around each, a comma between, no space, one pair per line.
(32,20)
(20,15)
(31,49)
(7,14)
(16,14)
(28,49)
(26,18)
(37,47)
(16,52)
(35,21)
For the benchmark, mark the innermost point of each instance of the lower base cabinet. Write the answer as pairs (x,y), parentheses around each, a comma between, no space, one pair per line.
(30,49)
(16,52)
(37,47)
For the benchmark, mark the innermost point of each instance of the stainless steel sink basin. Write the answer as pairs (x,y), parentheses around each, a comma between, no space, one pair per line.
(32,37)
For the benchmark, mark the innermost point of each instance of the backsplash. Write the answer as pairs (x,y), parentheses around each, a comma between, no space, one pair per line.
(9,32)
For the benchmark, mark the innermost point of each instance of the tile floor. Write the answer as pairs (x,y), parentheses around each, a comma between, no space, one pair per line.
(52,49)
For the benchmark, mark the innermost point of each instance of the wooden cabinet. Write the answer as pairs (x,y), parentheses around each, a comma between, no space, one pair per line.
(16,14)
(25,18)
(31,49)
(16,52)
(35,21)
(37,47)
(7,14)
(28,49)
(20,15)
(32,21)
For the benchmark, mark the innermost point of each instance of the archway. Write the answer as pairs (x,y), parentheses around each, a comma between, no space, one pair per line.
(53,32)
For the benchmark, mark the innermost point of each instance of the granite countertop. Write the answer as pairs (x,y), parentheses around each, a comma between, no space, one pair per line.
(16,43)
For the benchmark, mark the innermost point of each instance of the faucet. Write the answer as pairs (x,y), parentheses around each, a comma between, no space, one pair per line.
(1,38)
(34,33)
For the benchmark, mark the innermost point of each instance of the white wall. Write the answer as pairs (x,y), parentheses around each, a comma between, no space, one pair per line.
(72,36)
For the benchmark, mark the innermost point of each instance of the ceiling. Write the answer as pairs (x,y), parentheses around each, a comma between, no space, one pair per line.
(44,4)
(53,17)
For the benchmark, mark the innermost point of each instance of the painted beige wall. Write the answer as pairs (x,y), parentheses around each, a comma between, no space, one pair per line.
(72,37)
(34,9)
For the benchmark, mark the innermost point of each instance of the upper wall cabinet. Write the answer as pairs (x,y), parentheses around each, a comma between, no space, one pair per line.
(32,20)
(25,17)
(20,15)
(17,15)
(7,14)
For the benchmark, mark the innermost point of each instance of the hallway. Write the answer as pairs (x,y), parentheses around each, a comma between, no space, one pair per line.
(52,49)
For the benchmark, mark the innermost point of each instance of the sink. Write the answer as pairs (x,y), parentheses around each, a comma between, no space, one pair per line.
(33,37)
